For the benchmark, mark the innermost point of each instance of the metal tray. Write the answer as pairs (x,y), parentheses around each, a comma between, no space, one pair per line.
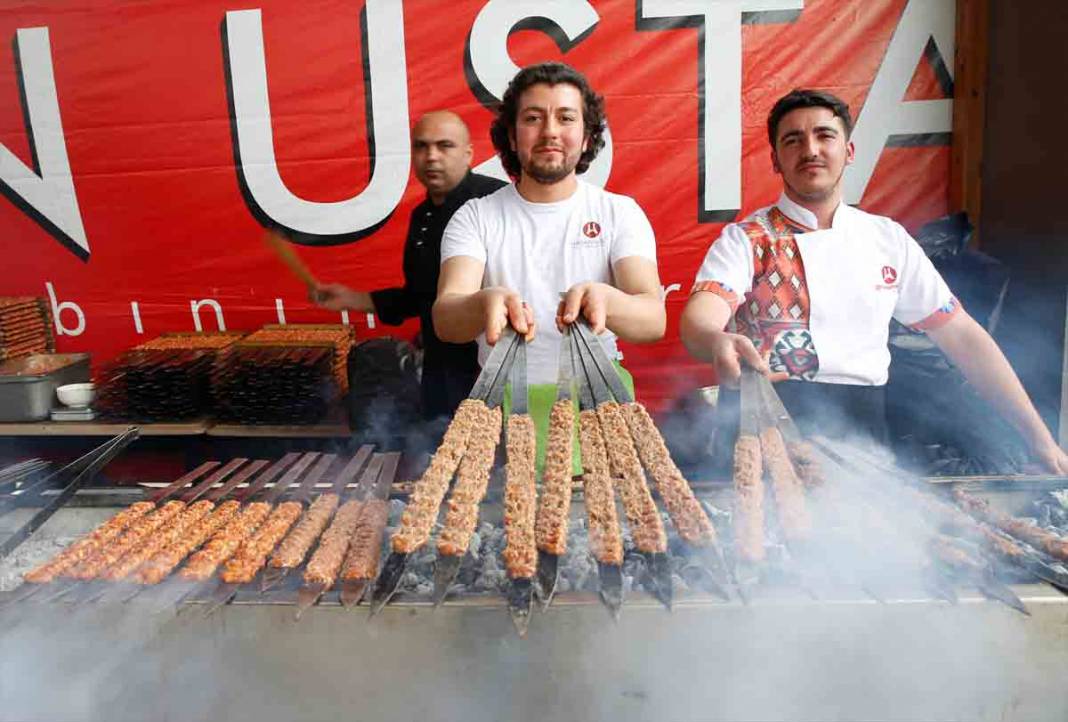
(29,396)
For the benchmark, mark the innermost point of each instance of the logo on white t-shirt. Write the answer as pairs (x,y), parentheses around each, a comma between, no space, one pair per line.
(591,229)
(889,275)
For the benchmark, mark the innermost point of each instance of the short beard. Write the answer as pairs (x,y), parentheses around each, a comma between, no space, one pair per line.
(548,176)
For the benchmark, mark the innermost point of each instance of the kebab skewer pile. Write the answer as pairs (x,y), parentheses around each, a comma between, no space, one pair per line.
(617,439)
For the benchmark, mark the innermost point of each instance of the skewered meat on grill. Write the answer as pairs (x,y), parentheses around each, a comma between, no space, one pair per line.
(606,542)
(686,513)
(365,549)
(1050,542)
(163,537)
(472,478)
(806,463)
(789,494)
(949,551)
(140,530)
(554,502)
(89,544)
(295,546)
(250,558)
(642,516)
(950,517)
(422,509)
(749,499)
(158,567)
(226,541)
(520,498)
(327,560)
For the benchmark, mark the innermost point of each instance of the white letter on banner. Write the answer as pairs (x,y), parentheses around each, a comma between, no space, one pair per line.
(194,306)
(565,21)
(50,196)
(719,87)
(885,114)
(57,313)
(388,138)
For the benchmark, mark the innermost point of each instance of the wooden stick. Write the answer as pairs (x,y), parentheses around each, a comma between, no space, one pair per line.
(289,257)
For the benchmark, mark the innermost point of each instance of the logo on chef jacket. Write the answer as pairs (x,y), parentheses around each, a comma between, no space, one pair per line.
(889,278)
(591,234)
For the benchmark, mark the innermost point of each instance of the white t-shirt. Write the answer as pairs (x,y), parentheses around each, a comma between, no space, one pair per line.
(822,300)
(540,250)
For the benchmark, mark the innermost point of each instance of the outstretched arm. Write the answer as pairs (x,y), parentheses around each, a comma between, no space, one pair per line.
(976,354)
(464,309)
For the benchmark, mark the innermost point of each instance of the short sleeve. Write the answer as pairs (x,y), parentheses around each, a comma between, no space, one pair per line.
(633,234)
(924,300)
(462,236)
(727,270)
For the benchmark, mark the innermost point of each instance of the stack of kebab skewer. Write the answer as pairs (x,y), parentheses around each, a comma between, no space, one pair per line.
(539,531)
(165,379)
(283,374)
(25,327)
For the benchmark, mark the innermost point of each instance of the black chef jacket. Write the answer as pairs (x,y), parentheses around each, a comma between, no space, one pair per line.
(449,370)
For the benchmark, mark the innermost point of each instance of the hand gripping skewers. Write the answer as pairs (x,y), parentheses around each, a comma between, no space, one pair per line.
(687,515)
(251,556)
(472,417)
(329,559)
(291,552)
(554,502)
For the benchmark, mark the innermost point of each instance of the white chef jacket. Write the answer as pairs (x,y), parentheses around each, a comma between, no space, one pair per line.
(821,300)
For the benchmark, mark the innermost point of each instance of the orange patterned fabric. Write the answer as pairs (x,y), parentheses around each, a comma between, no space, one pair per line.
(775,313)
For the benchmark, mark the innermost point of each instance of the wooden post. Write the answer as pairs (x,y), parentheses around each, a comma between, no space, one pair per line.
(969,110)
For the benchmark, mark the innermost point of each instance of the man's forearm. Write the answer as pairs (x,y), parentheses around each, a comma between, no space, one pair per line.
(459,318)
(637,318)
(976,354)
(705,315)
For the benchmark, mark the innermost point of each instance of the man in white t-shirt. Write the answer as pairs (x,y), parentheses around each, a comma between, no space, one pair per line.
(811,285)
(508,257)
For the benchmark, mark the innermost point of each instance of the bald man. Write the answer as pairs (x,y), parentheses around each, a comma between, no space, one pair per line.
(441,158)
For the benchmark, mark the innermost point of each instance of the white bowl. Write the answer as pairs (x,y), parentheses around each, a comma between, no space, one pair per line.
(77,396)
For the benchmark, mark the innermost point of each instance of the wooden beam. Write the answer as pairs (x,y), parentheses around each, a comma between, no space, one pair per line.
(969,110)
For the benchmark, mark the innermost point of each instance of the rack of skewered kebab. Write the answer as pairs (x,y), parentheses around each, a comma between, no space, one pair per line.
(830,495)
(616,437)
(225,527)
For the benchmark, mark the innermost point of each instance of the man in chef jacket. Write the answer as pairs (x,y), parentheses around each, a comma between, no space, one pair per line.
(804,291)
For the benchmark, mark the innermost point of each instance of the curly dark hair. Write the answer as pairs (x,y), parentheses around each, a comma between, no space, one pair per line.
(805,98)
(551,74)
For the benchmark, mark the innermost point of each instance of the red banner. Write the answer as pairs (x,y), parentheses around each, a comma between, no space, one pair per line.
(143,145)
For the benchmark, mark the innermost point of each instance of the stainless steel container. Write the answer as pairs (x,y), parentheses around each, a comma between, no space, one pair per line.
(28,395)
